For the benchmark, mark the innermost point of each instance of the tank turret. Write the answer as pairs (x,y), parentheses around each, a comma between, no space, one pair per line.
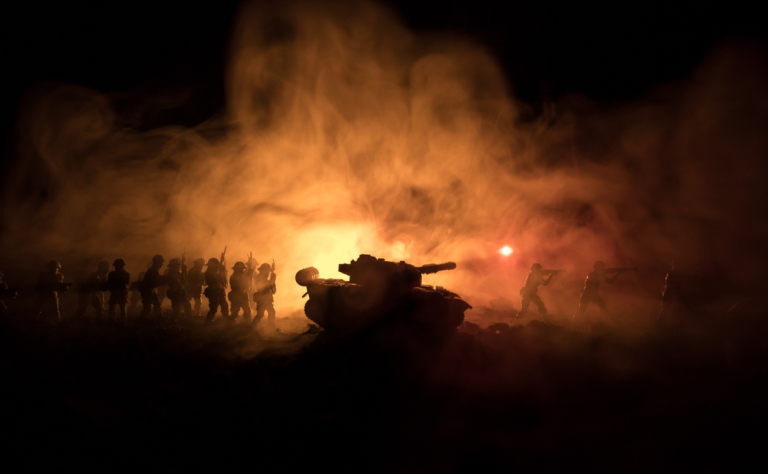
(381,292)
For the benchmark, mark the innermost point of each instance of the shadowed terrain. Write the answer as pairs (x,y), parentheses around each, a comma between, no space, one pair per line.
(539,396)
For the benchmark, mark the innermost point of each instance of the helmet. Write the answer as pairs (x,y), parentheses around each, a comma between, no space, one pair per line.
(53,265)
(599,265)
(239,266)
(175,262)
(265,267)
(213,261)
(104,266)
(199,261)
(119,262)
(158,259)
(536,266)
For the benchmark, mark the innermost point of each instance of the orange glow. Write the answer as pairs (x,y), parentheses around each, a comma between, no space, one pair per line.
(506,250)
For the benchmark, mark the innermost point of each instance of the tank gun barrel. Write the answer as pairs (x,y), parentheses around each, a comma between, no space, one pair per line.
(434,268)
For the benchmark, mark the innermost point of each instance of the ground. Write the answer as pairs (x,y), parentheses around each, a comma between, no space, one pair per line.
(535,396)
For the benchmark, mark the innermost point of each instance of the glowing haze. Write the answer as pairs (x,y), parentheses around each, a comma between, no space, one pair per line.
(345,133)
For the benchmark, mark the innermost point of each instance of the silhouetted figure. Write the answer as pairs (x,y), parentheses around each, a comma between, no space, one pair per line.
(177,282)
(195,282)
(49,285)
(238,295)
(135,293)
(673,292)
(590,292)
(251,264)
(92,292)
(536,278)
(118,282)
(162,290)
(264,285)
(216,280)
(148,288)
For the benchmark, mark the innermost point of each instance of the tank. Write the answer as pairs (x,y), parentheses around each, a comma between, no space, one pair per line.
(381,293)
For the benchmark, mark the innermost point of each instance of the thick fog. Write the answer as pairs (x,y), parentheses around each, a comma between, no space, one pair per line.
(346,133)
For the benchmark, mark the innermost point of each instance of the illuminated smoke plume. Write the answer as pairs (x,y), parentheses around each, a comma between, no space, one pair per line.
(345,133)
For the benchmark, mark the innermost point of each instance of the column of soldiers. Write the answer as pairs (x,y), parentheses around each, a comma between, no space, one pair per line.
(182,286)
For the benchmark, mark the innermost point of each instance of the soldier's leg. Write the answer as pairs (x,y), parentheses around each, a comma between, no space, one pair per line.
(600,302)
(158,310)
(55,308)
(213,305)
(187,306)
(271,315)
(536,299)
(111,311)
(175,307)
(224,305)
(583,303)
(146,303)
(82,305)
(97,304)
(123,313)
(247,312)
(198,303)
(524,305)
(235,308)
(260,308)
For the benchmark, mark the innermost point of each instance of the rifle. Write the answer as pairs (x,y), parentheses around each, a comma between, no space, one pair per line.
(224,267)
(273,265)
(184,268)
(551,272)
(621,269)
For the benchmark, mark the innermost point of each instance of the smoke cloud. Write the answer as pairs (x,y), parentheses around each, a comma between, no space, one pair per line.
(346,133)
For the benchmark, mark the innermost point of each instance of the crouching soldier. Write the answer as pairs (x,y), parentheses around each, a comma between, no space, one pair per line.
(238,296)
(177,282)
(117,283)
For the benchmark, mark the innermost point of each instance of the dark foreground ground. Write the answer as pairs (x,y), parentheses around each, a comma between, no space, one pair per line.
(535,397)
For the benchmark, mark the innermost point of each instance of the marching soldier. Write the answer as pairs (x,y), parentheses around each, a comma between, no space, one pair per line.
(148,288)
(92,292)
(177,282)
(216,280)
(536,278)
(238,296)
(590,292)
(265,287)
(195,282)
(49,284)
(117,283)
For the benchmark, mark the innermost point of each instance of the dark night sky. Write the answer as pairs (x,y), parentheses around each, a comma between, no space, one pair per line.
(607,51)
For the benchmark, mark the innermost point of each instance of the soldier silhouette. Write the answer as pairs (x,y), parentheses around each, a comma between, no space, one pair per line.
(135,293)
(216,294)
(536,278)
(49,284)
(590,292)
(238,295)
(264,285)
(118,282)
(148,288)
(177,282)
(92,292)
(195,282)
